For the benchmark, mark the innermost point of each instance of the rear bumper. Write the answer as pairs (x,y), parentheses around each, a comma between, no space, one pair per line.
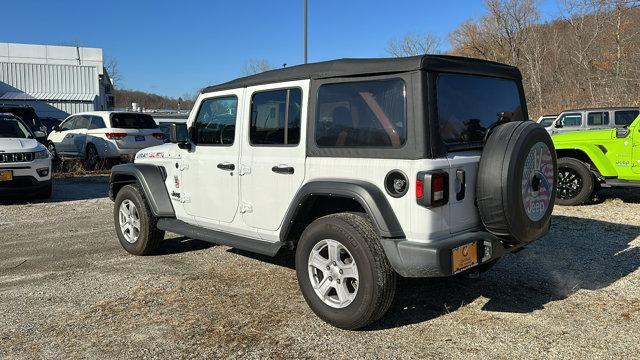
(433,259)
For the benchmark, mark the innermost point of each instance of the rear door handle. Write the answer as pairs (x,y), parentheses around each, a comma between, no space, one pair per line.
(283,169)
(226,166)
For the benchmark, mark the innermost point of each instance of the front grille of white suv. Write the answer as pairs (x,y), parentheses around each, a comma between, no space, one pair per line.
(16,157)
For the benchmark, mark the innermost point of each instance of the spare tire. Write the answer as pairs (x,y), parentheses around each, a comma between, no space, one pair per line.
(516,185)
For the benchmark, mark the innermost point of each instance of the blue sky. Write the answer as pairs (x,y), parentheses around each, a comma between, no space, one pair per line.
(175,47)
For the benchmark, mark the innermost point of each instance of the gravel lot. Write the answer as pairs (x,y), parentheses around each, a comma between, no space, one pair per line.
(68,290)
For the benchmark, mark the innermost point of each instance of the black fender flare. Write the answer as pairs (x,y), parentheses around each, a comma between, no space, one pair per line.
(368,195)
(150,178)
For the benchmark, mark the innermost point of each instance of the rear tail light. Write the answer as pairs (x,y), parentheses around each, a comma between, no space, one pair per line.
(116,136)
(432,188)
(158,136)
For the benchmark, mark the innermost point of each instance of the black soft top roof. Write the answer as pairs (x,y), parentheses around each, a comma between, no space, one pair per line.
(376,66)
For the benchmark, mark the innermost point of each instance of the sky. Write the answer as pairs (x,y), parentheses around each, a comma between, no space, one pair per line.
(177,47)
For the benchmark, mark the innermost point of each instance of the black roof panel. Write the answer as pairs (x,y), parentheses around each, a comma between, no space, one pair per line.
(375,66)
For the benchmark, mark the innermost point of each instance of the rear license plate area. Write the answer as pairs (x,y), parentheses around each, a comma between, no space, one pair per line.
(139,137)
(464,257)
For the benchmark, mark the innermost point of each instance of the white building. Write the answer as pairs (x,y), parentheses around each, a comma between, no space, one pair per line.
(55,80)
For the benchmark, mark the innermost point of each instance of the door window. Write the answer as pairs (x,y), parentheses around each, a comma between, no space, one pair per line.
(82,122)
(275,117)
(215,123)
(625,117)
(598,118)
(97,123)
(571,120)
(69,124)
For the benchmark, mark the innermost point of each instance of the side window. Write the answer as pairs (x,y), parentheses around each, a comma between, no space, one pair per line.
(69,124)
(362,114)
(625,117)
(598,118)
(571,120)
(216,121)
(97,123)
(82,122)
(275,117)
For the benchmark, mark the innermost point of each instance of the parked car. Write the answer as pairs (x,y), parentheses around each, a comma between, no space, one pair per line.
(546,121)
(597,118)
(25,164)
(165,125)
(102,135)
(29,116)
(50,123)
(590,160)
(351,163)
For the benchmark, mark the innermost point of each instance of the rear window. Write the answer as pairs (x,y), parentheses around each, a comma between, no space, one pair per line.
(546,122)
(468,105)
(133,121)
(368,114)
(626,117)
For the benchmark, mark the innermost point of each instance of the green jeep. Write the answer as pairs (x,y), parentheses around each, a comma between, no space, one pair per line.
(591,159)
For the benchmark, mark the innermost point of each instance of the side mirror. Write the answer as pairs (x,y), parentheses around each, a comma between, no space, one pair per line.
(558,125)
(39,134)
(56,127)
(178,134)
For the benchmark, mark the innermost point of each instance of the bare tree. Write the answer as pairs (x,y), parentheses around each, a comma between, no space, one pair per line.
(111,65)
(414,44)
(255,66)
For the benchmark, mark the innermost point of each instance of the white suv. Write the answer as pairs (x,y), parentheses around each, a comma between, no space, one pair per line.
(100,135)
(25,164)
(368,168)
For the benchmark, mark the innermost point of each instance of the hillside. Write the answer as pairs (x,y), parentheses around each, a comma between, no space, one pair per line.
(124,98)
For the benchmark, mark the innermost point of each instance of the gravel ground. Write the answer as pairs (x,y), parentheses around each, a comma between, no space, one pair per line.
(68,290)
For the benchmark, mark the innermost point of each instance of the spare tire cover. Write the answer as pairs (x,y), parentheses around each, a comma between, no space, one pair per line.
(516,185)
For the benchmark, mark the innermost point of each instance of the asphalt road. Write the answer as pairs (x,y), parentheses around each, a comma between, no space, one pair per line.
(68,290)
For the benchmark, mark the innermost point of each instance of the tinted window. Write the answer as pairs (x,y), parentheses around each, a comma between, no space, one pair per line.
(12,128)
(547,121)
(468,105)
(598,118)
(273,120)
(68,124)
(571,120)
(82,122)
(97,123)
(132,121)
(626,117)
(362,114)
(216,121)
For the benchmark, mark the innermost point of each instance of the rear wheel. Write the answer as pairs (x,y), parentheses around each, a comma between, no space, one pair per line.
(92,158)
(134,222)
(343,272)
(575,182)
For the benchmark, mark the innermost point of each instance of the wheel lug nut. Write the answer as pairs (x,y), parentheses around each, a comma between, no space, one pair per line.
(338,281)
(328,267)
(340,271)
(334,263)
(330,278)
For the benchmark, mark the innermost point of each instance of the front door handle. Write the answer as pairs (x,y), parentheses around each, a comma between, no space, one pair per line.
(283,169)
(226,166)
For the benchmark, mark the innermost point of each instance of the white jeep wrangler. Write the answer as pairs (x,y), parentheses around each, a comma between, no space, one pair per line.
(420,166)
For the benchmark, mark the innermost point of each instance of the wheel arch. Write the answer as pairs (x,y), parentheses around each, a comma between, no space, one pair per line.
(593,155)
(150,178)
(319,198)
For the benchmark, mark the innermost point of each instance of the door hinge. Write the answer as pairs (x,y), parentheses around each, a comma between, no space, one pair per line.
(185,198)
(246,208)
(244,170)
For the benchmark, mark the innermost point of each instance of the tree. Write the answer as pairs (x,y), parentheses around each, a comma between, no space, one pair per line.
(111,65)
(414,44)
(255,66)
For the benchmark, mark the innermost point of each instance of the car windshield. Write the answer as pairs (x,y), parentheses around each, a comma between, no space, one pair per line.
(469,105)
(133,121)
(546,122)
(12,128)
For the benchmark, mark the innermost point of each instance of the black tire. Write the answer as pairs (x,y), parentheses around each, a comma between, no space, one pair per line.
(516,184)
(575,182)
(149,236)
(45,193)
(377,280)
(91,158)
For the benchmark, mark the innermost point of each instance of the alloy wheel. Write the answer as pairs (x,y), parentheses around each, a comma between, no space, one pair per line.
(333,273)
(129,221)
(569,183)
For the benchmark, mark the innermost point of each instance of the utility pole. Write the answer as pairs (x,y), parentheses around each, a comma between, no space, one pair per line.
(305,32)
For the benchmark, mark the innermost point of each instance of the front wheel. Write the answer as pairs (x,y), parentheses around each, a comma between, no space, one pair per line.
(343,272)
(575,182)
(134,222)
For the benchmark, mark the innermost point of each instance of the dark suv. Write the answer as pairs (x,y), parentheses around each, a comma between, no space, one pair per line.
(28,115)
